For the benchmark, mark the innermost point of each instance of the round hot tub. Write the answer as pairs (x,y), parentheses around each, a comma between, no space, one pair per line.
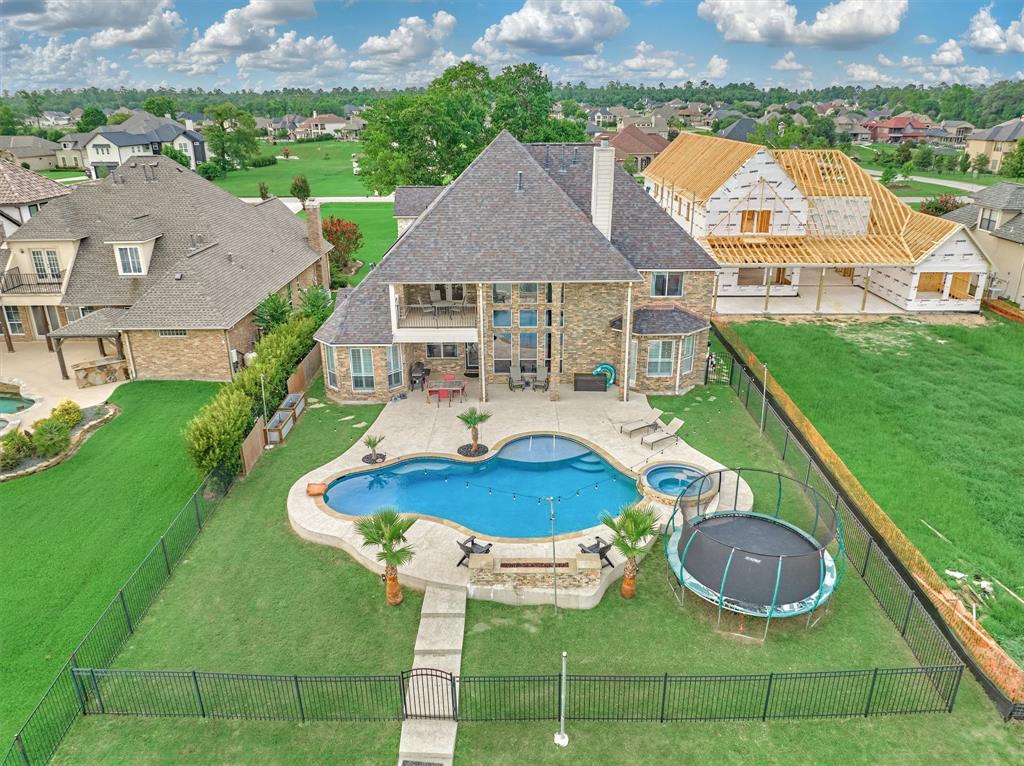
(668,482)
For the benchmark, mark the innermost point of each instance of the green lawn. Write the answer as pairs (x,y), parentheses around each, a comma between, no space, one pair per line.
(59,173)
(928,417)
(253,597)
(326,164)
(375,220)
(866,155)
(921,189)
(72,534)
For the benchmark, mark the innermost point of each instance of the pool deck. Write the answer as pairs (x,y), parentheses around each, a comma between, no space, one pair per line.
(413,426)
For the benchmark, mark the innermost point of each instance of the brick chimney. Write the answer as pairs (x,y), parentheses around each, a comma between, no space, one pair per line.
(315,235)
(602,187)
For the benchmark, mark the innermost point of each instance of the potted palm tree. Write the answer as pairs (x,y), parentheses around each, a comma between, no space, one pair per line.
(634,524)
(386,528)
(372,441)
(473,419)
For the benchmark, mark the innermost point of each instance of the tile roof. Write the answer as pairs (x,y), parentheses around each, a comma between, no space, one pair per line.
(19,186)
(663,321)
(482,229)
(1010,130)
(410,201)
(248,250)
(1001,196)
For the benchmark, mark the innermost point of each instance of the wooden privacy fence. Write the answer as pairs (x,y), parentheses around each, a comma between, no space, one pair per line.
(252,446)
(992,659)
(306,372)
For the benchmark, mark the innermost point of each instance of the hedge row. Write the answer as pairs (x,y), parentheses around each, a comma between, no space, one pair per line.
(214,436)
(262,162)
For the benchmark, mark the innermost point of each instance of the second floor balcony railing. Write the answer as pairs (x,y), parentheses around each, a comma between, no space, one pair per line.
(437,314)
(13,281)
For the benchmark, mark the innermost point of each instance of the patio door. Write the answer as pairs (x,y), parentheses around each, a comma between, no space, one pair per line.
(52,319)
(472,358)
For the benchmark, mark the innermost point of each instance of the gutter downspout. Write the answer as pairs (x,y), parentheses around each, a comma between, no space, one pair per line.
(481,351)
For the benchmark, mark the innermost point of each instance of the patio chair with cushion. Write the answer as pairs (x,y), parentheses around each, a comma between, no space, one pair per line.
(662,434)
(542,382)
(470,546)
(444,393)
(601,548)
(449,376)
(515,380)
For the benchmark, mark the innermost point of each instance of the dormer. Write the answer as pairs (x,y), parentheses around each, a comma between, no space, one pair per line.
(133,245)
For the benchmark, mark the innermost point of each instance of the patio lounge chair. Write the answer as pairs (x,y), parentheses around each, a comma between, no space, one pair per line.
(470,546)
(601,548)
(662,435)
(542,382)
(646,425)
(515,380)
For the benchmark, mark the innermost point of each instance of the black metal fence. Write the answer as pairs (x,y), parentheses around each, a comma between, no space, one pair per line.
(766,696)
(39,737)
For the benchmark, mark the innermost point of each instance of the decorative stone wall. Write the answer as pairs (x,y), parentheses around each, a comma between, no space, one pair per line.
(109,369)
(583,571)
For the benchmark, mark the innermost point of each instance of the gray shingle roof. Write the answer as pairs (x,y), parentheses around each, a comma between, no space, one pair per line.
(641,230)
(1010,130)
(361,316)
(1001,196)
(663,321)
(19,186)
(967,215)
(1012,230)
(481,229)
(410,201)
(95,324)
(27,146)
(267,246)
(739,130)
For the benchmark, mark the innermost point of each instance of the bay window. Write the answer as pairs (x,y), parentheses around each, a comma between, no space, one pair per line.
(362,369)
(659,358)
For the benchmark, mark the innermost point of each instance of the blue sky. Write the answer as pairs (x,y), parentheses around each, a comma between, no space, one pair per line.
(261,44)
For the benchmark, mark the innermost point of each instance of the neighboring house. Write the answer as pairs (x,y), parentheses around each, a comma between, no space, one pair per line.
(37,153)
(22,194)
(850,125)
(71,153)
(289,122)
(50,119)
(958,129)
(601,116)
(694,114)
(996,142)
(918,117)
(721,114)
(536,255)
(896,130)
(939,136)
(739,130)
(633,143)
(353,129)
(410,202)
(76,114)
(996,217)
(768,215)
(651,124)
(141,135)
(163,263)
(265,125)
(622,114)
(318,125)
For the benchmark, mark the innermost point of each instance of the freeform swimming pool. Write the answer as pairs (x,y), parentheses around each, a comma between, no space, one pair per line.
(11,403)
(501,496)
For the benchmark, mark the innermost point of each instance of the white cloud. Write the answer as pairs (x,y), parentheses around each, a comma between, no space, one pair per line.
(914,70)
(163,29)
(788,63)
(53,17)
(867,73)
(843,24)
(986,35)
(647,64)
(924,40)
(551,27)
(885,60)
(413,52)
(717,68)
(311,61)
(948,54)
(61,65)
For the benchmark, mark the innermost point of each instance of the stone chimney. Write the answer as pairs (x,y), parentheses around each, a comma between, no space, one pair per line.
(315,235)
(601,188)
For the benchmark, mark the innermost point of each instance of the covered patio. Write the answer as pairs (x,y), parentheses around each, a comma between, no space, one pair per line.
(98,325)
(819,291)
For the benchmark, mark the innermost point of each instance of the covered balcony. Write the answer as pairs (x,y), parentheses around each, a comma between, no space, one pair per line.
(434,312)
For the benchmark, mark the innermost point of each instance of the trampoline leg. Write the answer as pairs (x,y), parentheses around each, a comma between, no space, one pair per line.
(766,624)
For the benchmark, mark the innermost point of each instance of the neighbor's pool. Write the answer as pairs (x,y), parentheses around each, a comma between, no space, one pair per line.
(10,403)
(498,496)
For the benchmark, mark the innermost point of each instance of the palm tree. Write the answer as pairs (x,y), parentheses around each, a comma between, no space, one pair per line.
(386,528)
(634,524)
(474,418)
(372,442)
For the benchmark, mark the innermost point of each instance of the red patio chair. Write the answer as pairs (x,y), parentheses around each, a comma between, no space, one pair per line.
(444,393)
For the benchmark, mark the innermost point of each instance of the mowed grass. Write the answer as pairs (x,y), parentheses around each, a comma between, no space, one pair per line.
(327,165)
(377,223)
(921,189)
(866,155)
(252,597)
(71,535)
(929,418)
(664,637)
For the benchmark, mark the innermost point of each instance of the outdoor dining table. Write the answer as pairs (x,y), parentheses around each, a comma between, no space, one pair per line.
(446,385)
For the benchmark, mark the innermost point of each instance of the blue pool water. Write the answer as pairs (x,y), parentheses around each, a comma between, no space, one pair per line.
(677,479)
(10,403)
(498,496)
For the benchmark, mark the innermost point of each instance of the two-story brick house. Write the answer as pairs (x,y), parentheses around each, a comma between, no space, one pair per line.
(163,263)
(537,255)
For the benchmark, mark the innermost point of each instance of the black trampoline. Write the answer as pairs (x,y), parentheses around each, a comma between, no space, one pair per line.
(771,560)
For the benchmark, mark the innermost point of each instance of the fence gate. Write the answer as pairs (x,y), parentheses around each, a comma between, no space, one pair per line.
(719,367)
(429,693)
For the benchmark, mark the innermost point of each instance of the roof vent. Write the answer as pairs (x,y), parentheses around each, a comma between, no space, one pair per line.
(547,155)
(231,257)
(519,180)
(178,276)
(562,169)
(575,155)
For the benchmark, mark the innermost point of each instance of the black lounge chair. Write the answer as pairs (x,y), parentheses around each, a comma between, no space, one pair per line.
(601,548)
(470,546)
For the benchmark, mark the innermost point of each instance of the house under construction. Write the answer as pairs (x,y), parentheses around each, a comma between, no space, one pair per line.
(792,228)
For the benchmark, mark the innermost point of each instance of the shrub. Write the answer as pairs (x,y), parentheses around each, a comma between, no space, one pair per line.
(300,189)
(211,171)
(264,192)
(272,311)
(345,238)
(50,437)
(177,155)
(315,139)
(214,436)
(68,413)
(942,204)
(14,447)
(262,162)
(316,302)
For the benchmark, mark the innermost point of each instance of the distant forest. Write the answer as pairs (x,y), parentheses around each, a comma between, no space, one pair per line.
(981,105)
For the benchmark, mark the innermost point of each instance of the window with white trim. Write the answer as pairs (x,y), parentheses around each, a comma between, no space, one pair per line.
(988,219)
(14,323)
(689,344)
(394,365)
(129,260)
(361,360)
(332,370)
(659,358)
(46,264)
(503,353)
(501,317)
(173,333)
(528,292)
(442,351)
(501,292)
(527,317)
(666,284)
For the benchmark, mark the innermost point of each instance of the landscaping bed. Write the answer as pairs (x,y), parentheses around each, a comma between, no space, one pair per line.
(92,418)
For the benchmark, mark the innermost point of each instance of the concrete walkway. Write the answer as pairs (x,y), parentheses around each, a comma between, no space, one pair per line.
(438,647)
(295,206)
(937,180)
